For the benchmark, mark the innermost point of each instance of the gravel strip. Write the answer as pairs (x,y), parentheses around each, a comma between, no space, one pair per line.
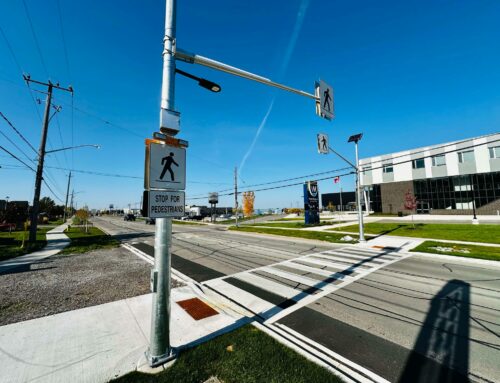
(69,282)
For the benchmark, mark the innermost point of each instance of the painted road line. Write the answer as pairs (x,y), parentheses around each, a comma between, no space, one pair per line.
(268,285)
(290,276)
(354,370)
(356,257)
(246,299)
(324,262)
(357,262)
(331,288)
(314,270)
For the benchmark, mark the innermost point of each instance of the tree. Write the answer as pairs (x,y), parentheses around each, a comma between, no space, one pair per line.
(46,205)
(410,204)
(248,200)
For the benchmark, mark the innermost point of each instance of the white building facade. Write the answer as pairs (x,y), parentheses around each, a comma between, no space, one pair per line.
(450,178)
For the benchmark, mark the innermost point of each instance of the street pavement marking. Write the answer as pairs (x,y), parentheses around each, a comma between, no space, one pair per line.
(266,284)
(345,271)
(291,276)
(314,270)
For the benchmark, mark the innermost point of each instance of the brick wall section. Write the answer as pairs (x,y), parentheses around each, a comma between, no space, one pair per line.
(393,196)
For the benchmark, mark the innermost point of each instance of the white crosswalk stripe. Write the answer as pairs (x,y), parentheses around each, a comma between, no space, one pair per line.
(275,290)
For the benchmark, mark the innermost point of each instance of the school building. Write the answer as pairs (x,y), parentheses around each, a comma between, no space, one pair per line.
(450,178)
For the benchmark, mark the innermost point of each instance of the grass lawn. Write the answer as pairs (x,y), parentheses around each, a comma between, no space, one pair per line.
(245,355)
(318,235)
(231,221)
(82,242)
(293,225)
(456,232)
(10,243)
(468,251)
(178,222)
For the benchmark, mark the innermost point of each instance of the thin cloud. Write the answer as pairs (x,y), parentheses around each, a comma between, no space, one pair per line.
(284,66)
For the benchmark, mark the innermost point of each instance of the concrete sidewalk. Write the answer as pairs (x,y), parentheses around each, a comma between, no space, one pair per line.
(99,343)
(56,241)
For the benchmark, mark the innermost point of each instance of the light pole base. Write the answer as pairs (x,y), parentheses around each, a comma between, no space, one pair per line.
(149,364)
(475,221)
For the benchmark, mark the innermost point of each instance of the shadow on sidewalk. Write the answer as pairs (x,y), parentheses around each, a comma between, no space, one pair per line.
(441,352)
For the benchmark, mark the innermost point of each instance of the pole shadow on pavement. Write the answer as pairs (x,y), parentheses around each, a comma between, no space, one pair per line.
(441,351)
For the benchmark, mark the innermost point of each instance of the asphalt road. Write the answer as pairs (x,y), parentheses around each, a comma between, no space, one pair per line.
(405,317)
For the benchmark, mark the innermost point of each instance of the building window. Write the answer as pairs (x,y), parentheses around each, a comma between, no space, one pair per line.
(418,164)
(466,156)
(438,160)
(367,170)
(495,152)
(387,168)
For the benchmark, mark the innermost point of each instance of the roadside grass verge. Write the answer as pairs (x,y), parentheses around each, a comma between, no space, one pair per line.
(178,222)
(294,225)
(10,243)
(82,242)
(459,250)
(231,221)
(456,232)
(245,355)
(317,235)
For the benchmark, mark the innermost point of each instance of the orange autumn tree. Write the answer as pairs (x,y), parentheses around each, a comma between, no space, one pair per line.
(248,200)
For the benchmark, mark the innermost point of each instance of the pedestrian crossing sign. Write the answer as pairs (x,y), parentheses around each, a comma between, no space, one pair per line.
(165,166)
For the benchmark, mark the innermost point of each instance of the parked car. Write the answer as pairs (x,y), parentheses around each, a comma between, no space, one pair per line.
(150,221)
(129,217)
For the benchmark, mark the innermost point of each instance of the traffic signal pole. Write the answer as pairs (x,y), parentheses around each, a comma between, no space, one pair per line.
(160,351)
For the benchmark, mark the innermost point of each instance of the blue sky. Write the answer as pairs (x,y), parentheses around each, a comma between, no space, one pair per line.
(405,73)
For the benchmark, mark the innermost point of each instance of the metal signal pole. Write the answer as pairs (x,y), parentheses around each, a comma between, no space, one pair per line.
(236,194)
(159,351)
(41,154)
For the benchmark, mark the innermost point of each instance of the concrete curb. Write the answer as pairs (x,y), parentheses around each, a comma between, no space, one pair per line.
(476,261)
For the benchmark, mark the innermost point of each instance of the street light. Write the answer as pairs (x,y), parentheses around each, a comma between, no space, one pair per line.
(356,138)
(73,147)
(204,83)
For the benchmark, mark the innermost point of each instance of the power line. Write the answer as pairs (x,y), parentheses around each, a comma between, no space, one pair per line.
(35,38)
(52,191)
(352,172)
(286,180)
(17,158)
(65,49)
(11,50)
(13,143)
(18,132)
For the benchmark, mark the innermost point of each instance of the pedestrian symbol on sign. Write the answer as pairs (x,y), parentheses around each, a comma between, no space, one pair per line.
(327,99)
(325,106)
(168,161)
(322,143)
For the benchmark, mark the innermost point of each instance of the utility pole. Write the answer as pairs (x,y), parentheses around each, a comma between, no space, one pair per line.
(67,195)
(236,194)
(41,153)
(159,351)
(71,203)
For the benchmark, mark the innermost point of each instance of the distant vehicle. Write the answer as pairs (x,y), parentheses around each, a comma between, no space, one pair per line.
(185,218)
(150,221)
(129,217)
